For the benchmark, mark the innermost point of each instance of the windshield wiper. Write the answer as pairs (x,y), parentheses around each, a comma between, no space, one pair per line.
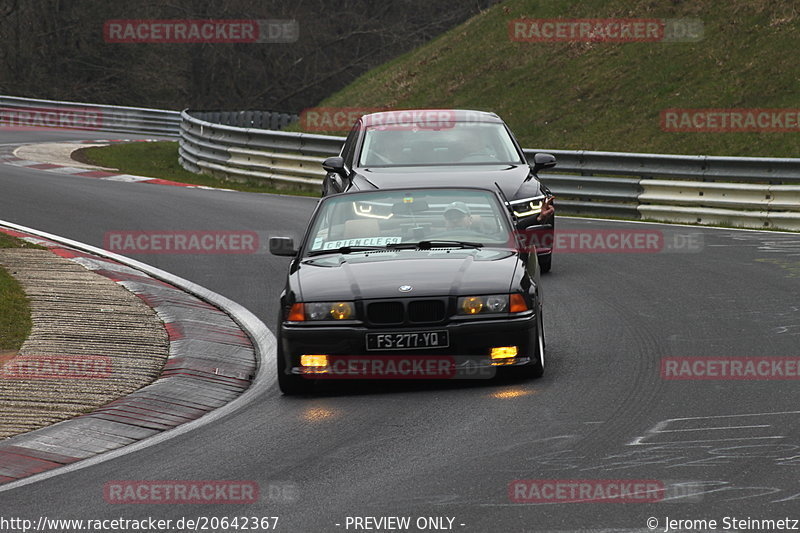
(437,243)
(346,250)
(421,245)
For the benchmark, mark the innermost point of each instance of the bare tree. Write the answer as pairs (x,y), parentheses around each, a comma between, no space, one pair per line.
(56,49)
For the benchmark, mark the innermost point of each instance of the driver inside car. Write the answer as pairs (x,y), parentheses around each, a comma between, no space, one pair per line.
(457,216)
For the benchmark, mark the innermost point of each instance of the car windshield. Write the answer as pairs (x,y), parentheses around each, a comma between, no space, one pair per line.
(416,218)
(457,143)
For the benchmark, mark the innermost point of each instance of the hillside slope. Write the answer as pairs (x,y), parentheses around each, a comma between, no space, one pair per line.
(606,95)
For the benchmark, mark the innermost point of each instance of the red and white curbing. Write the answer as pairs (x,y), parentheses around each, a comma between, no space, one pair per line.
(212,361)
(9,157)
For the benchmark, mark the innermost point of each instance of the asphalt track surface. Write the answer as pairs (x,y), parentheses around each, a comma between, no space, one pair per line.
(601,412)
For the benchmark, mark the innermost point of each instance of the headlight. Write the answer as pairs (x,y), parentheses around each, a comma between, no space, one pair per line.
(321,311)
(366,210)
(526,209)
(473,305)
(493,303)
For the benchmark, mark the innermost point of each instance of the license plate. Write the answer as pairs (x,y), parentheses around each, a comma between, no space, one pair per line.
(409,340)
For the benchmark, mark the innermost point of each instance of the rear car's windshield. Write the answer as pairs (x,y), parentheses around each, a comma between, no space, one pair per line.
(456,143)
(390,217)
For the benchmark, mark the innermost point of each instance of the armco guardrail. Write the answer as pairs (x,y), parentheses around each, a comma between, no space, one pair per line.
(282,159)
(738,191)
(263,120)
(30,112)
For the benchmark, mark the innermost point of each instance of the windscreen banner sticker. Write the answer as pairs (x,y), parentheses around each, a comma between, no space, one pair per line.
(363,241)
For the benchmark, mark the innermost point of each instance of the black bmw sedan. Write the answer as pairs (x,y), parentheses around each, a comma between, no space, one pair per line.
(446,147)
(415,283)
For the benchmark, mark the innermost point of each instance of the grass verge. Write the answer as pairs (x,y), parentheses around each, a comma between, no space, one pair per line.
(604,95)
(160,160)
(15,318)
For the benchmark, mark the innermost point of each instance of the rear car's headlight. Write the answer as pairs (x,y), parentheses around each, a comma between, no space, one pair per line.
(526,209)
(493,303)
(321,311)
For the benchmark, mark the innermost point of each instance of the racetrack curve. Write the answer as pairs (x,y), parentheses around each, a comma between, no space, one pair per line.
(602,411)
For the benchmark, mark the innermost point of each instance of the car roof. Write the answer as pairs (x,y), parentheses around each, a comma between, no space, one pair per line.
(402,116)
(349,194)
(490,190)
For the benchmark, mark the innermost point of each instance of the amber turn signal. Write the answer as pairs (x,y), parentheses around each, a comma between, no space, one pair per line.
(297,313)
(518,304)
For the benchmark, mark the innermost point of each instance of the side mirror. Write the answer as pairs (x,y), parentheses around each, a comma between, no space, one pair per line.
(334,164)
(542,161)
(530,238)
(533,227)
(282,246)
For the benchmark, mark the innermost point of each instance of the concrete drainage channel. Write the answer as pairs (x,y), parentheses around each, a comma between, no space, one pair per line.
(217,361)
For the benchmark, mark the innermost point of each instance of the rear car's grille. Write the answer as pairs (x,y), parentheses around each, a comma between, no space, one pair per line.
(386,313)
(413,312)
(422,311)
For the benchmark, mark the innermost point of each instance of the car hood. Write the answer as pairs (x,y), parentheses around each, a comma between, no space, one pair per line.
(429,273)
(511,178)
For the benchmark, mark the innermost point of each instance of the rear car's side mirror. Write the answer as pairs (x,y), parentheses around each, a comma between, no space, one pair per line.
(282,246)
(542,161)
(530,224)
(334,164)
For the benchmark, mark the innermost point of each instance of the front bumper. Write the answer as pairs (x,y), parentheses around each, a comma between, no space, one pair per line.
(470,344)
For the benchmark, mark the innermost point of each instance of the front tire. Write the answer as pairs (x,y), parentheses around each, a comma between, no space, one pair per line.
(535,369)
(545,262)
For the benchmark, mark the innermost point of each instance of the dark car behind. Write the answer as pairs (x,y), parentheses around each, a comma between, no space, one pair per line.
(414,148)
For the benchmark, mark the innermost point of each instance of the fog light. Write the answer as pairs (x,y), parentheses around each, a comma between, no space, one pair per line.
(314,361)
(504,352)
